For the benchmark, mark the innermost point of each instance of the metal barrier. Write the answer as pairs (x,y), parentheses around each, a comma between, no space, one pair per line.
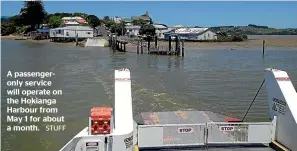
(174,135)
(238,133)
(171,135)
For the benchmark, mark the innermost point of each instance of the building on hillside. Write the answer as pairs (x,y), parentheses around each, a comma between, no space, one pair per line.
(193,34)
(177,26)
(146,17)
(71,32)
(117,19)
(160,30)
(127,21)
(132,30)
(73,21)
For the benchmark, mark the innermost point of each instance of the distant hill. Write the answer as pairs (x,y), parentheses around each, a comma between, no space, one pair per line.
(255,30)
(4,18)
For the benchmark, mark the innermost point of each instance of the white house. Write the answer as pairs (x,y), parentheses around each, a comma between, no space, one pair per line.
(132,30)
(72,31)
(160,30)
(194,34)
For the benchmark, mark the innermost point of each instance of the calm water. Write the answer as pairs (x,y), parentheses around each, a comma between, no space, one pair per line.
(216,79)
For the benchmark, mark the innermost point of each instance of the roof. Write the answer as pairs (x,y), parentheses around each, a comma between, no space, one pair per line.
(43,30)
(146,18)
(87,28)
(70,18)
(158,26)
(190,30)
(81,20)
(127,20)
(71,23)
(133,27)
(177,26)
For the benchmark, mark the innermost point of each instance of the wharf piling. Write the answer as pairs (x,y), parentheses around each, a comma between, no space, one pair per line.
(151,43)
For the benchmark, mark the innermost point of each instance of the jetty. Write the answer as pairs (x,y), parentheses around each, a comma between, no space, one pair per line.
(149,45)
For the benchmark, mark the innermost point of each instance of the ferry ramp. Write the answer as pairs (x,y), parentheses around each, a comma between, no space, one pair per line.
(201,130)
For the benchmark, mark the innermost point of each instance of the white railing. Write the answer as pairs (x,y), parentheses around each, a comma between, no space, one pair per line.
(174,135)
(238,133)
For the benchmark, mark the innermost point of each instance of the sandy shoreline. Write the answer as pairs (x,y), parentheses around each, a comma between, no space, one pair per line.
(256,41)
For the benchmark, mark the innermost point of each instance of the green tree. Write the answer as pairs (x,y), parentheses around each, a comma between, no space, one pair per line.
(139,22)
(148,30)
(33,13)
(7,28)
(16,20)
(110,23)
(54,21)
(93,21)
(106,19)
(119,29)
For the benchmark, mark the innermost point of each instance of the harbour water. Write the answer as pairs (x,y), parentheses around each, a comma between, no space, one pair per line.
(217,79)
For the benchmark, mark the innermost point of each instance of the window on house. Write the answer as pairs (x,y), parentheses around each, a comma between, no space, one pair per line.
(67,33)
(208,34)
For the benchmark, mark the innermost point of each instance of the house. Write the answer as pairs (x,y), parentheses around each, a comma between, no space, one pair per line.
(193,34)
(127,21)
(71,32)
(132,30)
(160,30)
(73,21)
(117,19)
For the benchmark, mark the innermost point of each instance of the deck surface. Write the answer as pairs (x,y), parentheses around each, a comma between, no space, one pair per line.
(180,117)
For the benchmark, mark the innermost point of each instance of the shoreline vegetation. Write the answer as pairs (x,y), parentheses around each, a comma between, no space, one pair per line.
(252,41)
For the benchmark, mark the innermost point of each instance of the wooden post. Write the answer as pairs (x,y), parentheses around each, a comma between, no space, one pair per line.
(137,45)
(169,43)
(124,47)
(183,49)
(76,39)
(263,49)
(141,45)
(121,45)
(148,43)
(176,45)
(156,42)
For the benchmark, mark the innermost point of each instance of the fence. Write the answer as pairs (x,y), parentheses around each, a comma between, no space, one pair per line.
(175,135)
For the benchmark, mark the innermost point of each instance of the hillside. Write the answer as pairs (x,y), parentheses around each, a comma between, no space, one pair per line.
(255,30)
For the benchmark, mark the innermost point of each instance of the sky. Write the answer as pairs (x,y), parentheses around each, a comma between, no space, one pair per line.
(274,14)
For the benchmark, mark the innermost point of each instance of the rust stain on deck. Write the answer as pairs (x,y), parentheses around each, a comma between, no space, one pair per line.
(155,118)
(181,114)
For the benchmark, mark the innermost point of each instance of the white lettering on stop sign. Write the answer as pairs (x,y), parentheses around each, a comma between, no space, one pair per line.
(185,130)
(227,128)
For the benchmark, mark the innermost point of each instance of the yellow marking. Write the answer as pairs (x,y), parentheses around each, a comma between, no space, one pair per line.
(279,146)
(136,148)
(182,115)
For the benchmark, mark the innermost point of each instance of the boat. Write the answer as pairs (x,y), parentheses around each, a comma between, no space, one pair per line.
(114,129)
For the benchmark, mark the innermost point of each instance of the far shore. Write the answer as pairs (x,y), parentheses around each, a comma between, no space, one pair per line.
(253,41)
(12,37)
